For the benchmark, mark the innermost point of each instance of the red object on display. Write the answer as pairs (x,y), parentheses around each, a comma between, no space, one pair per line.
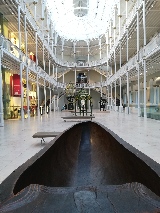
(33,58)
(15,85)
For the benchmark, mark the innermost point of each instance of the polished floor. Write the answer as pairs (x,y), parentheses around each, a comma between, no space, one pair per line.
(17,144)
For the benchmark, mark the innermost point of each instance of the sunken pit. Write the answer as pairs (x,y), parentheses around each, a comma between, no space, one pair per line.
(85,165)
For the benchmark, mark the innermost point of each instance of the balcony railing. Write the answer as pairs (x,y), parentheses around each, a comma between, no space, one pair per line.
(152,47)
(16,53)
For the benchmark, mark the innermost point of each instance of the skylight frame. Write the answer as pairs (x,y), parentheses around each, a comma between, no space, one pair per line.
(88,27)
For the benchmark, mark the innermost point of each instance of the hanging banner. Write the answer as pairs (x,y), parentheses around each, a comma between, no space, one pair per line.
(15,85)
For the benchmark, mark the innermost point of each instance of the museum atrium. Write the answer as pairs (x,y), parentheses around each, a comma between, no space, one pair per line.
(109,48)
(99,58)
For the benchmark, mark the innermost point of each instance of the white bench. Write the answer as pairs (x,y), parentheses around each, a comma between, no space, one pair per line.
(77,117)
(43,135)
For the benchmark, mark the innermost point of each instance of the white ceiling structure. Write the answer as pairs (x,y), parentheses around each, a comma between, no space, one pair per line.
(81,19)
(66,26)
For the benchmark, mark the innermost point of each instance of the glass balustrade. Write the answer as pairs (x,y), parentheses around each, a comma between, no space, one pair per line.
(153,112)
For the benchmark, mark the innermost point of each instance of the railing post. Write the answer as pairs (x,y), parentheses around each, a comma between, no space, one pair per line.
(1,91)
(21,86)
(38,104)
(27,85)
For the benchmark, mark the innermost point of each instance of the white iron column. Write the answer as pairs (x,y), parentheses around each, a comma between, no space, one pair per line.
(89,90)
(75,76)
(115,95)
(108,96)
(52,31)
(101,85)
(37,83)
(43,58)
(55,43)
(63,77)
(139,109)
(54,103)
(21,86)
(53,71)
(50,96)
(115,65)
(42,20)
(48,27)
(45,99)
(1,91)
(120,84)
(107,46)
(119,18)
(35,9)
(58,101)
(127,74)
(56,74)
(27,87)
(26,35)
(38,106)
(74,50)
(52,47)
(42,13)
(88,76)
(48,42)
(36,43)
(49,67)
(110,34)
(27,70)
(111,69)
(62,48)
(88,51)
(111,95)
(100,50)
(19,26)
(111,85)
(144,56)
(120,55)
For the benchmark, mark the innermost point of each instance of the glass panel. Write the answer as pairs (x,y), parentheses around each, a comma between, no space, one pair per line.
(81,19)
(153,112)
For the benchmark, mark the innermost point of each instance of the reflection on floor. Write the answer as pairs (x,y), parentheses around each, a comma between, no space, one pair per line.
(17,144)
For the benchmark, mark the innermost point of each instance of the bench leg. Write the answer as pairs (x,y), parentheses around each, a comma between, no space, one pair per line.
(42,140)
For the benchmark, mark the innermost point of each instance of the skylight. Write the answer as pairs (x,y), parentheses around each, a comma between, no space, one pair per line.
(81,19)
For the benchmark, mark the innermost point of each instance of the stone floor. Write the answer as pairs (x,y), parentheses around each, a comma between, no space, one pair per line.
(17,144)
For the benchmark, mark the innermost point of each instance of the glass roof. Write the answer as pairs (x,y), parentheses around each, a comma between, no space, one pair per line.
(81,19)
